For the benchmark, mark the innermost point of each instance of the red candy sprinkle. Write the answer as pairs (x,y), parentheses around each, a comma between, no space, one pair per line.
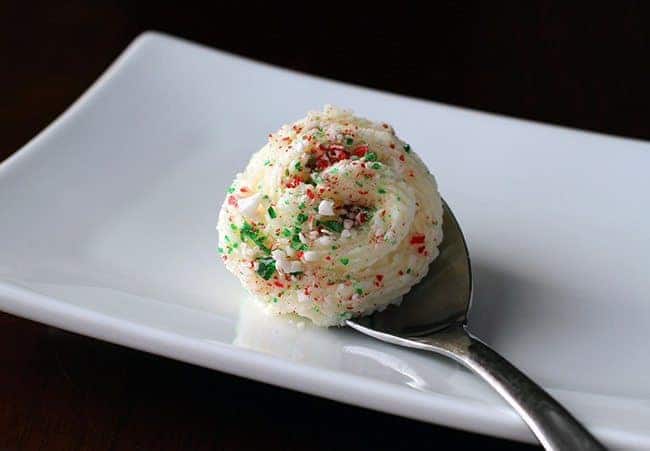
(360,151)
(294,182)
(232,200)
(417,239)
(338,154)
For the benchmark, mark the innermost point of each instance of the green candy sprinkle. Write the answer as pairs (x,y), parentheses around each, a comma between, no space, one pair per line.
(333,226)
(266,268)
(298,246)
(248,232)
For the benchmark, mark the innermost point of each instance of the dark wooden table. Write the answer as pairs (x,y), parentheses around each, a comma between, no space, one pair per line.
(583,66)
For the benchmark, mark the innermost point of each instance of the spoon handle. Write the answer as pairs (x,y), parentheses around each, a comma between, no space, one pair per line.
(552,424)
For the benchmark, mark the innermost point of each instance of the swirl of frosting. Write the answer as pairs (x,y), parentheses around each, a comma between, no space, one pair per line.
(334,217)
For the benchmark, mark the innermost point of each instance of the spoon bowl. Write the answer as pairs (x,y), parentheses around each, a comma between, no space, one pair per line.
(433,317)
(441,299)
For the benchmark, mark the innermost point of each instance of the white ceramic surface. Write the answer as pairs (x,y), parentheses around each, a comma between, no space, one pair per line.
(107,229)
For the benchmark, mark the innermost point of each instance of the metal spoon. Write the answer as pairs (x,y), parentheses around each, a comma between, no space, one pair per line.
(433,317)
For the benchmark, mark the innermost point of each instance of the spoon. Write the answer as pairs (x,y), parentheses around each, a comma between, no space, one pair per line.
(433,317)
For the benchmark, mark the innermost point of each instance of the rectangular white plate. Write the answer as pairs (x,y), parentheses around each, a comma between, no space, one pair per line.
(107,229)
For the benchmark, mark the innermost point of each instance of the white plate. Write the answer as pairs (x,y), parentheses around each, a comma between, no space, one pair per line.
(107,229)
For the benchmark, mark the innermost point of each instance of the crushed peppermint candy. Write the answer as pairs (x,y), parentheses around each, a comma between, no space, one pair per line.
(326,208)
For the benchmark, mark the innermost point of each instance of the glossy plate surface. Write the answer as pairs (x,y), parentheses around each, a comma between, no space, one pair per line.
(107,229)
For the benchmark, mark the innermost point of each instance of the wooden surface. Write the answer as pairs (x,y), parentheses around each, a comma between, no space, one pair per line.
(583,66)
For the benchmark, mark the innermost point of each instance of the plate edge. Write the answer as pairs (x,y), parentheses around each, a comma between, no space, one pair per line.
(488,420)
